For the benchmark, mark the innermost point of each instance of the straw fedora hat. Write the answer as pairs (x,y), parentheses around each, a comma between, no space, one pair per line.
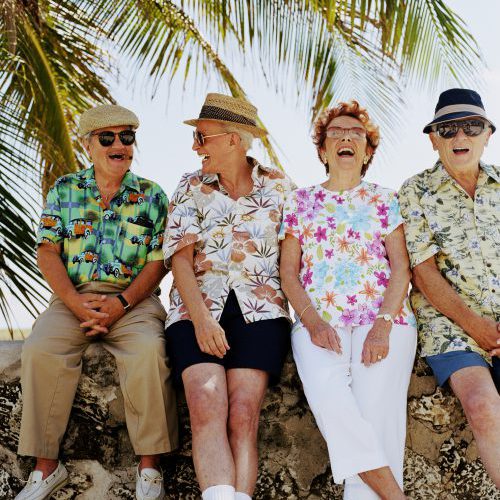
(231,110)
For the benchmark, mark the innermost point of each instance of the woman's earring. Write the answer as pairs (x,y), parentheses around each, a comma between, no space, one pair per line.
(366,159)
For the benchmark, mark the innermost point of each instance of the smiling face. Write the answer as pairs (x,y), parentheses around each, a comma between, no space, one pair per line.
(348,152)
(111,161)
(216,152)
(460,153)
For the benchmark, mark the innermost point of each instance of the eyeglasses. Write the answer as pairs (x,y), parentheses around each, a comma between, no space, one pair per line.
(200,138)
(339,132)
(106,138)
(448,130)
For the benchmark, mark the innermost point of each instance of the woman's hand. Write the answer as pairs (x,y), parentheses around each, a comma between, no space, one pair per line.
(376,345)
(323,335)
(211,337)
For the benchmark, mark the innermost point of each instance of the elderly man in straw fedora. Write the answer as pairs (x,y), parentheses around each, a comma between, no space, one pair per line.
(452,222)
(100,250)
(228,327)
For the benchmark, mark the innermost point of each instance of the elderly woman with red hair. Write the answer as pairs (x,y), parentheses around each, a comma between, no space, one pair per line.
(345,271)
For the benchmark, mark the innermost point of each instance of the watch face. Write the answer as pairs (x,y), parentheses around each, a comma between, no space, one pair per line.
(387,317)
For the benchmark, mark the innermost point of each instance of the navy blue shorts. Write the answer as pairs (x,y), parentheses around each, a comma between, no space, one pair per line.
(444,365)
(261,345)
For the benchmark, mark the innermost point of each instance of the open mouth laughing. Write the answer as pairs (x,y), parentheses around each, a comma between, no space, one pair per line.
(345,151)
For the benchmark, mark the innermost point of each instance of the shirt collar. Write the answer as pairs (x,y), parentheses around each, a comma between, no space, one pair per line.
(130,180)
(491,170)
(257,171)
(440,176)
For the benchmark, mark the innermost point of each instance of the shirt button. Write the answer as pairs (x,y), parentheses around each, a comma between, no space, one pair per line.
(489,264)
(483,238)
(493,290)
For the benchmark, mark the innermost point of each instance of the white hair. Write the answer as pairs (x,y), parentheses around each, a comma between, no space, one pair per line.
(245,136)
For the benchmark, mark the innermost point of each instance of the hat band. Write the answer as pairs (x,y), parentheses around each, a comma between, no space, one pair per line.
(215,113)
(458,108)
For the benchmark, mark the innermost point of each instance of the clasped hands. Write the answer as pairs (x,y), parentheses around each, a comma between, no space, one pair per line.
(96,312)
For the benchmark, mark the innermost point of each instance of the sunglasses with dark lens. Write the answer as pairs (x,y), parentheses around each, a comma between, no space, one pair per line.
(471,128)
(200,138)
(106,138)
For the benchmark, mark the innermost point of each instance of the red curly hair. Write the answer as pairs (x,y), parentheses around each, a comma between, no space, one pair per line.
(351,108)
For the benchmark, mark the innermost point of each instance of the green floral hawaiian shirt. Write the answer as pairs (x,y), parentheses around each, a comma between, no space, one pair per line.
(463,234)
(100,244)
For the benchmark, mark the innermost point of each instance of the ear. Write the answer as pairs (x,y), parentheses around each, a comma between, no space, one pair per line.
(433,140)
(488,135)
(234,140)
(322,154)
(85,144)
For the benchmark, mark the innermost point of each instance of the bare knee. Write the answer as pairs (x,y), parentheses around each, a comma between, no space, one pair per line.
(482,411)
(243,418)
(207,407)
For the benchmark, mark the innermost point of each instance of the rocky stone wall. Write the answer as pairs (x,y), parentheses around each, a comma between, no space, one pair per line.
(441,455)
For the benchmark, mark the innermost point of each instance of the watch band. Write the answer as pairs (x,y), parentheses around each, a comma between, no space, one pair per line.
(386,317)
(124,302)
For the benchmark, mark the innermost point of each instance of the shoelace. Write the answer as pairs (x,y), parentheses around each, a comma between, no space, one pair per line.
(155,480)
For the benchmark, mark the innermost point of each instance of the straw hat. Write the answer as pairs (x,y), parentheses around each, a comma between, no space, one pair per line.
(106,115)
(227,109)
(456,104)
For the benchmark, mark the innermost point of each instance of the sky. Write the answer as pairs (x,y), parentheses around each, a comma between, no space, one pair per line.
(165,142)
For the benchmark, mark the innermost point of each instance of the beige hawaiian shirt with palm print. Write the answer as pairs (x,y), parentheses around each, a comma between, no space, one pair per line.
(236,242)
(463,234)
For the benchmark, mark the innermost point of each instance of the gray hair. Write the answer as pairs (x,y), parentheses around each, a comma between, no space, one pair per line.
(245,136)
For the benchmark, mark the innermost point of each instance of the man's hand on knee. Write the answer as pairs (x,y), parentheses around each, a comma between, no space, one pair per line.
(77,304)
(112,307)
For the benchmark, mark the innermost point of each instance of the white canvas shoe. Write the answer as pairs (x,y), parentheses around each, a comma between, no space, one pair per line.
(149,484)
(40,489)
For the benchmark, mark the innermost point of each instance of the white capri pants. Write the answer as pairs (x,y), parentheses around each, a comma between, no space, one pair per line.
(360,411)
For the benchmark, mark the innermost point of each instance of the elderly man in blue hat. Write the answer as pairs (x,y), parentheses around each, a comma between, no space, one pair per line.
(452,228)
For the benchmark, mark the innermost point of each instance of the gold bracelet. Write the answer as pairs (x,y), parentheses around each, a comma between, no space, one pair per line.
(304,310)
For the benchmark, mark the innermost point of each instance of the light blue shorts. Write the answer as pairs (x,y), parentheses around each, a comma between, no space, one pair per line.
(444,365)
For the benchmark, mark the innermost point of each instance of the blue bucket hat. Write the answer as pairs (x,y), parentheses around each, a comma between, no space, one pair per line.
(454,104)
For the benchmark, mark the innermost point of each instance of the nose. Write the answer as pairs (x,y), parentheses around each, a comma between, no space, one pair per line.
(461,134)
(195,145)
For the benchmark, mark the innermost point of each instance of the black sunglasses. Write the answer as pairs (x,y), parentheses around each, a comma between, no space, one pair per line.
(106,138)
(471,128)
(200,138)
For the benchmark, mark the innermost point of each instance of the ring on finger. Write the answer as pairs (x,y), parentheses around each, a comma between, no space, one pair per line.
(379,357)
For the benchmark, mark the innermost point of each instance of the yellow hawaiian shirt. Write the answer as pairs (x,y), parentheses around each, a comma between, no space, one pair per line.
(236,242)
(463,234)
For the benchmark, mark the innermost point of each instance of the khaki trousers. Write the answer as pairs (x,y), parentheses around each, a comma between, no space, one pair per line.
(52,363)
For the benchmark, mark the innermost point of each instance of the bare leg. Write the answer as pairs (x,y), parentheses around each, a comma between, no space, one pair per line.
(382,481)
(149,462)
(206,394)
(476,391)
(246,390)
(46,466)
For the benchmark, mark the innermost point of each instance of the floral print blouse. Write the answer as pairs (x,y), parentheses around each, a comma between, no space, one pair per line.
(463,234)
(344,266)
(236,242)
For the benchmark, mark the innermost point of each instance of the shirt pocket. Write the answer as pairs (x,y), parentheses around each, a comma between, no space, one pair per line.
(135,243)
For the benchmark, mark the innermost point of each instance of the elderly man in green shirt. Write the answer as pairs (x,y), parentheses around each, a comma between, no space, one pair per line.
(452,221)
(100,250)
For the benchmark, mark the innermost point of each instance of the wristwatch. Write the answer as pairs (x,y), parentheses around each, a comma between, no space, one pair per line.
(124,302)
(386,317)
